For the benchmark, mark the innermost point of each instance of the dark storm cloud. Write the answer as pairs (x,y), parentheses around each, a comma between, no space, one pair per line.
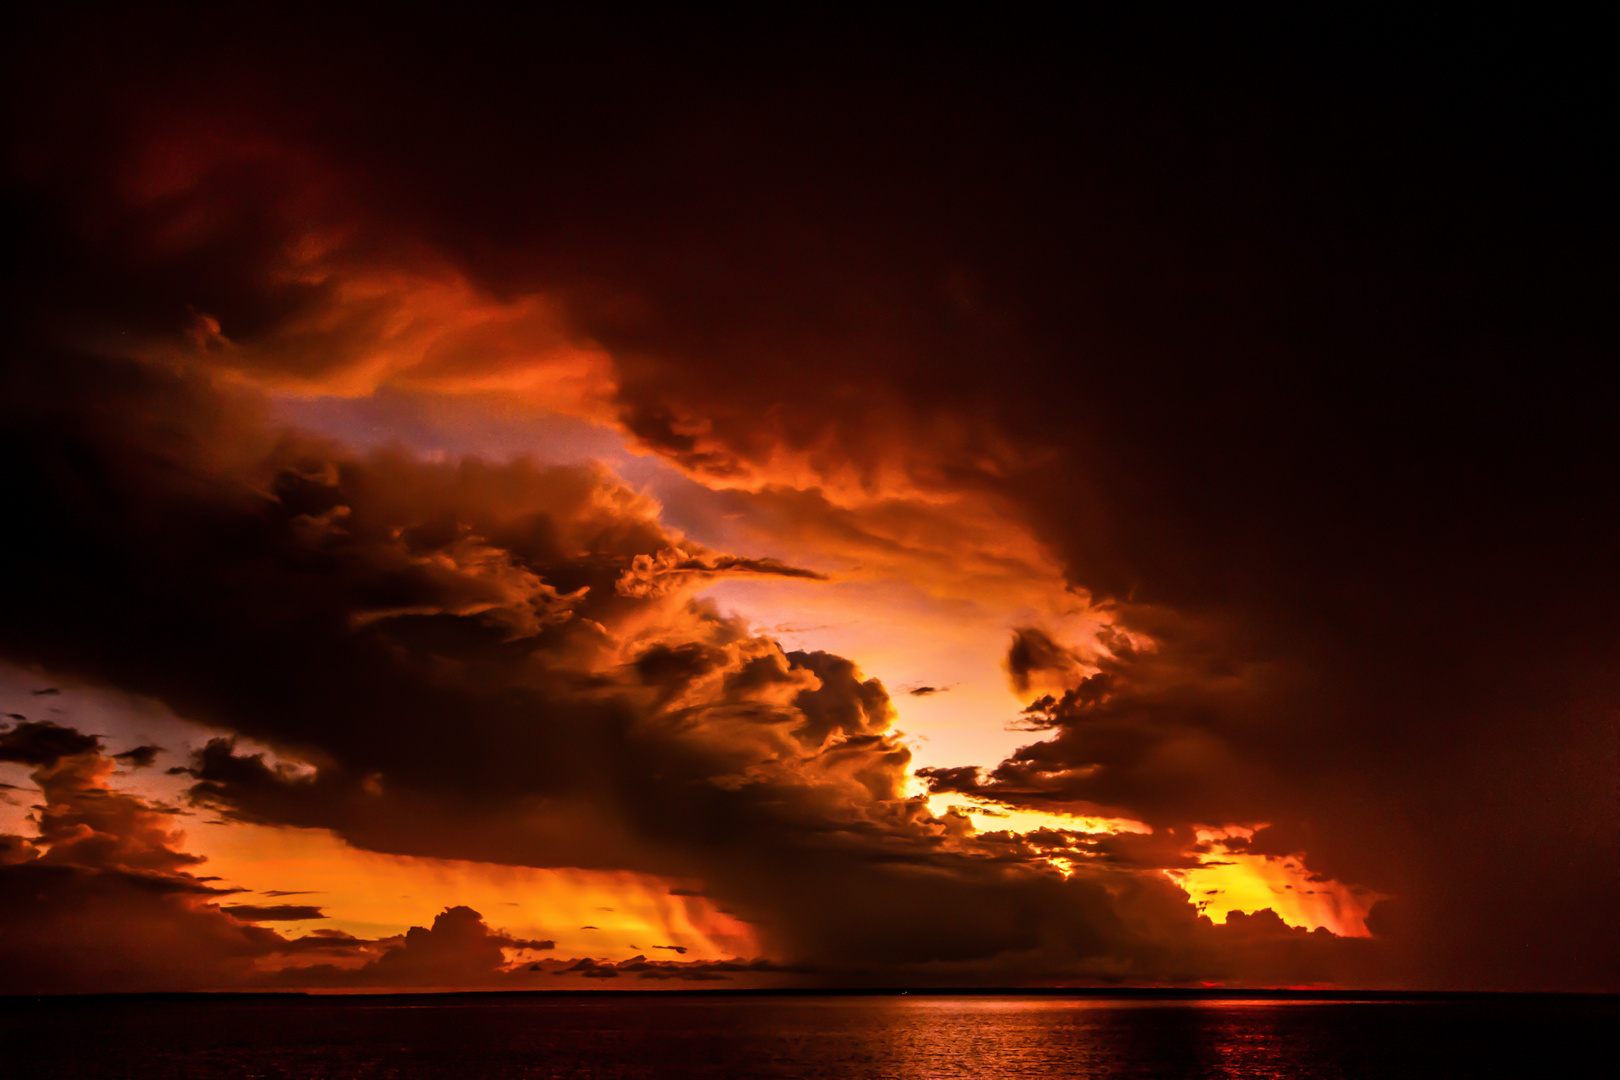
(338,603)
(1291,349)
(475,567)
(272,912)
(457,950)
(73,929)
(844,704)
(1034,653)
(140,757)
(321,947)
(1165,734)
(41,742)
(445,647)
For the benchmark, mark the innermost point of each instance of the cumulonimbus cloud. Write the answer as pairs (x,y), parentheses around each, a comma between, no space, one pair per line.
(1367,550)
(448,647)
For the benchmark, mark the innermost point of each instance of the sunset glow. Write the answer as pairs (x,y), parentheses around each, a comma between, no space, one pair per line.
(626,506)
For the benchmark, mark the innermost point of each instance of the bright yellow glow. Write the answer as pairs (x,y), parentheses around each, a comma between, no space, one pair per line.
(1250,883)
(1023,821)
(951,647)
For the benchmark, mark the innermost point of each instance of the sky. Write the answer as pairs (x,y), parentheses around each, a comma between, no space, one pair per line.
(563,501)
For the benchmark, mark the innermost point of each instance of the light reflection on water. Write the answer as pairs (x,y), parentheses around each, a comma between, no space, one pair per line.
(1041,1037)
(802,1038)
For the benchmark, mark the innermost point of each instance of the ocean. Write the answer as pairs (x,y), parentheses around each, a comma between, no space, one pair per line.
(892,1037)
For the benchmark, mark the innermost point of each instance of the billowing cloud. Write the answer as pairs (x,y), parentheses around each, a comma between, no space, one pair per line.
(1155,731)
(1308,444)
(42,742)
(104,898)
(457,950)
(447,665)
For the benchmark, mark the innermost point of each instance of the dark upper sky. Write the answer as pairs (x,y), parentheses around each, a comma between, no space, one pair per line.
(1284,344)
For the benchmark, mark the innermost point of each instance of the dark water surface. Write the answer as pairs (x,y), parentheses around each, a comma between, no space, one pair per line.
(991,1037)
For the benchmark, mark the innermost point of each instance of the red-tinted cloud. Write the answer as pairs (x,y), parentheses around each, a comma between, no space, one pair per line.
(1297,370)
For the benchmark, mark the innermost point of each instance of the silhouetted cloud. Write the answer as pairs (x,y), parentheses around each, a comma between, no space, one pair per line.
(139,757)
(104,898)
(457,950)
(272,912)
(348,605)
(43,743)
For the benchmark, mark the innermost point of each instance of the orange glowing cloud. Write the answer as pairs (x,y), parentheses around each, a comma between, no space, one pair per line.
(538,506)
(1250,883)
(1237,880)
(544,607)
(425,328)
(372,895)
(355,308)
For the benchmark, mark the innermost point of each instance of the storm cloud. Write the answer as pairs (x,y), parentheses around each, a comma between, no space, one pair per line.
(1287,382)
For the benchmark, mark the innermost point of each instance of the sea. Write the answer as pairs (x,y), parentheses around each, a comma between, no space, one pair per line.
(888,1036)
